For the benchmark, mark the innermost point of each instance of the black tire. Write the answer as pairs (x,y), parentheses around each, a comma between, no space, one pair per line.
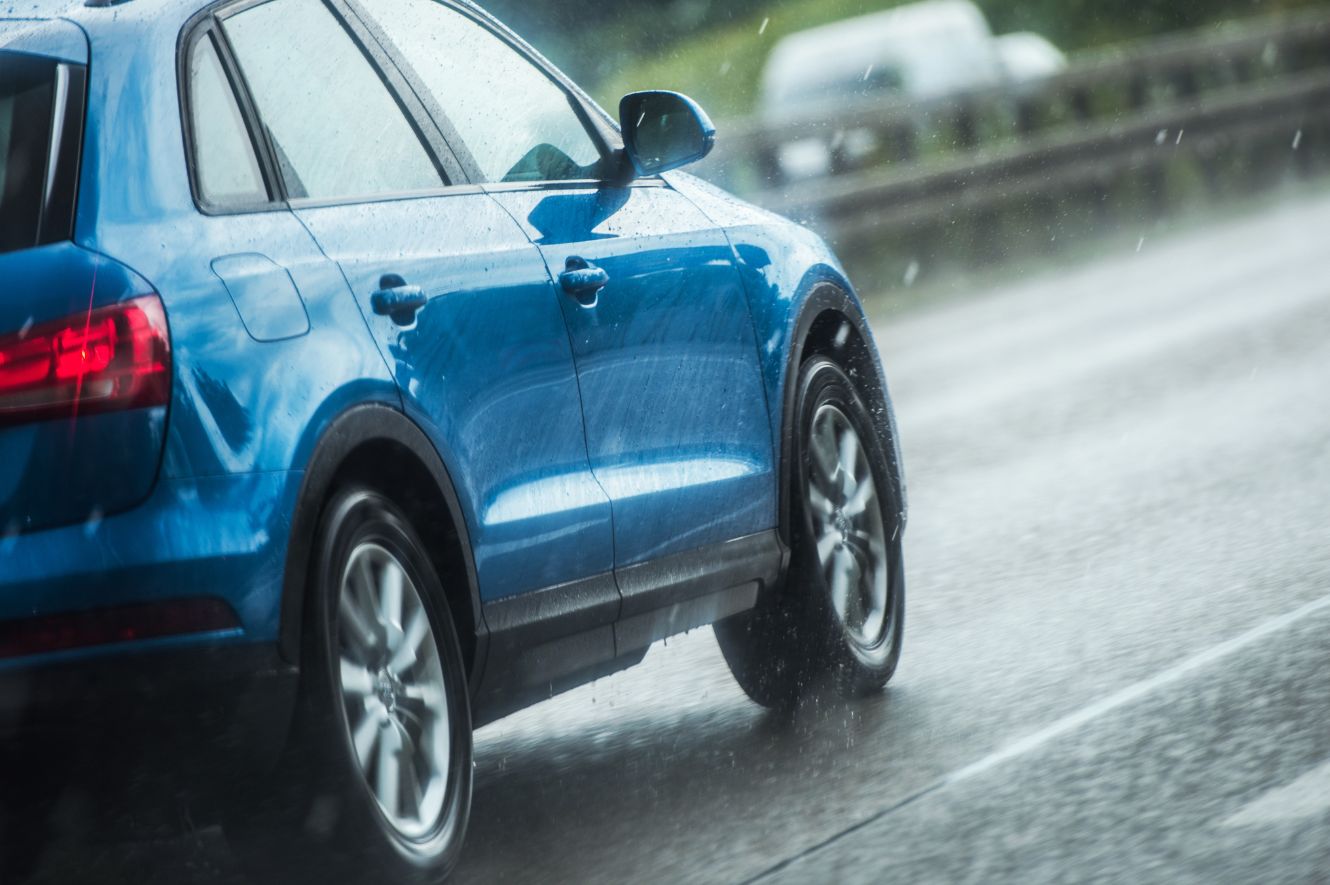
(321,820)
(799,636)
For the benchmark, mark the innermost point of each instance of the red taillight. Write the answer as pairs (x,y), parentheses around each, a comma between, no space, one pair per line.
(153,620)
(111,358)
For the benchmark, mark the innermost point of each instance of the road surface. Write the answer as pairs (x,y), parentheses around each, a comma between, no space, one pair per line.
(1117,660)
(1119,484)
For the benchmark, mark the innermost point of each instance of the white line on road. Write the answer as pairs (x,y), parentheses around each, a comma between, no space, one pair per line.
(1137,691)
(1306,797)
(1084,716)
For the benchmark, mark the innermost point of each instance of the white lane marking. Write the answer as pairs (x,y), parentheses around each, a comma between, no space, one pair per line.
(1306,797)
(1136,691)
(1071,722)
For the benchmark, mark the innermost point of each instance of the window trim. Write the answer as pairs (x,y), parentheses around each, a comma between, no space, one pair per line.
(597,123)
(207,24)
(458,168)
(203,26)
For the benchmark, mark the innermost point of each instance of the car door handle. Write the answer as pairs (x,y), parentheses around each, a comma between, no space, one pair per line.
(583,280)
(394,298)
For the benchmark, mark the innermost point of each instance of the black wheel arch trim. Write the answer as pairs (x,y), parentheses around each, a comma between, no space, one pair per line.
(825,295)
(352,429)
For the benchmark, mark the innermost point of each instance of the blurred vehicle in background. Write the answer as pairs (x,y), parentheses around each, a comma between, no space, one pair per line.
(919,53)
(1028,57)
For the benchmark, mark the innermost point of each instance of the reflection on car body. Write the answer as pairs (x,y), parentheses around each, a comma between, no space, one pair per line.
(412,390)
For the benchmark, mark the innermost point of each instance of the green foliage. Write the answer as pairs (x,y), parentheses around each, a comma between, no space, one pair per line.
(714,49)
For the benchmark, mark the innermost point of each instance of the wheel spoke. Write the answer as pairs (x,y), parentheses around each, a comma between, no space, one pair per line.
(410,775)
(840,582)
(390,596)
(865,546)
(826,545)
(848,456)
(822,506)
(408,651)
(388,775)
(426,695)
(859,501)
(823,445)
(360,633)
(356,680)
(366,731)
(363,578)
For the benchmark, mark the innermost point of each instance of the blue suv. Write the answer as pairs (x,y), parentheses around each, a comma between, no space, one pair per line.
(361,382)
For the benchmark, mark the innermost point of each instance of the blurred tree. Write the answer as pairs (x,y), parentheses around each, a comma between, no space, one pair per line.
(714,49)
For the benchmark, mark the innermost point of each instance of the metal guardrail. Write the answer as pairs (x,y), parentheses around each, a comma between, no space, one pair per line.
(1240,94)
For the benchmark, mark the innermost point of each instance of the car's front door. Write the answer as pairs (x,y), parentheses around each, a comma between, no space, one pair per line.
(676,420)
(456,296)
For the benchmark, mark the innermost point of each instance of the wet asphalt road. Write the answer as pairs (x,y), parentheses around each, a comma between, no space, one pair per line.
(1120,482)
(1117,661)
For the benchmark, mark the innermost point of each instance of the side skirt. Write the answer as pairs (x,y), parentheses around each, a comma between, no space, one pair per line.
(549,641)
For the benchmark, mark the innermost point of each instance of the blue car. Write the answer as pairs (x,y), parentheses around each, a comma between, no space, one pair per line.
(361,382)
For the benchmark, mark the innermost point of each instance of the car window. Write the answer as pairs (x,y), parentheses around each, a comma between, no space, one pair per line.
(518,123)
(226,166)
(26,89)
(334,126)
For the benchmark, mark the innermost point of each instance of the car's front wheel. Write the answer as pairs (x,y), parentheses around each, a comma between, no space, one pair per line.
(842,606)
(375,785)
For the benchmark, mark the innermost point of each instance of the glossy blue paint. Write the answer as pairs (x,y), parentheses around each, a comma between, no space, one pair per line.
(105,463)
(50,37)
(781,263)
(676,422)
(580,432)
(486,371)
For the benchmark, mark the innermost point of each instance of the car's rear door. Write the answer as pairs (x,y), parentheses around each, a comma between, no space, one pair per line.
(455,295)
(676,420)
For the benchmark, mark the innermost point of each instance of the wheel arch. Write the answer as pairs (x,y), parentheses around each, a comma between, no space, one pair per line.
(380,447)
(830,322)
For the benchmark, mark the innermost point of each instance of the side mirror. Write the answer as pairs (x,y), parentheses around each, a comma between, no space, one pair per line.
(664,130)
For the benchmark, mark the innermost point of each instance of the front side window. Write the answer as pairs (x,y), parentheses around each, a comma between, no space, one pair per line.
(518,123)
(336,129)
(226,168)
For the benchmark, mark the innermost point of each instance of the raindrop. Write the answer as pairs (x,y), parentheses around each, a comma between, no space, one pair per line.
(842,335)
(93,522)
(725,67)
(1161,137)
(868,72)
(1297,139)
(1140,243)
(27,324)
(911,274)
(1180,131)
(763,28)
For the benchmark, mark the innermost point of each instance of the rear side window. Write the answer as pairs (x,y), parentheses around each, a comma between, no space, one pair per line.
(227,170)
(27,105)
(334,126)
(518,123)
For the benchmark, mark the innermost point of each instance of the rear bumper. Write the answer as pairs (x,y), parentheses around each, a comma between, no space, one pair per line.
(218,537)
(182,711)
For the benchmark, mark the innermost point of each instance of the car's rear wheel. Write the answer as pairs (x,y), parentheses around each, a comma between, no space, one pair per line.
(842,607)
(375,785)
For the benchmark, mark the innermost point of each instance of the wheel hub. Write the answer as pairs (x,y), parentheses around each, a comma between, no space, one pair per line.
(387,687)
(849,531)
(394,693)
